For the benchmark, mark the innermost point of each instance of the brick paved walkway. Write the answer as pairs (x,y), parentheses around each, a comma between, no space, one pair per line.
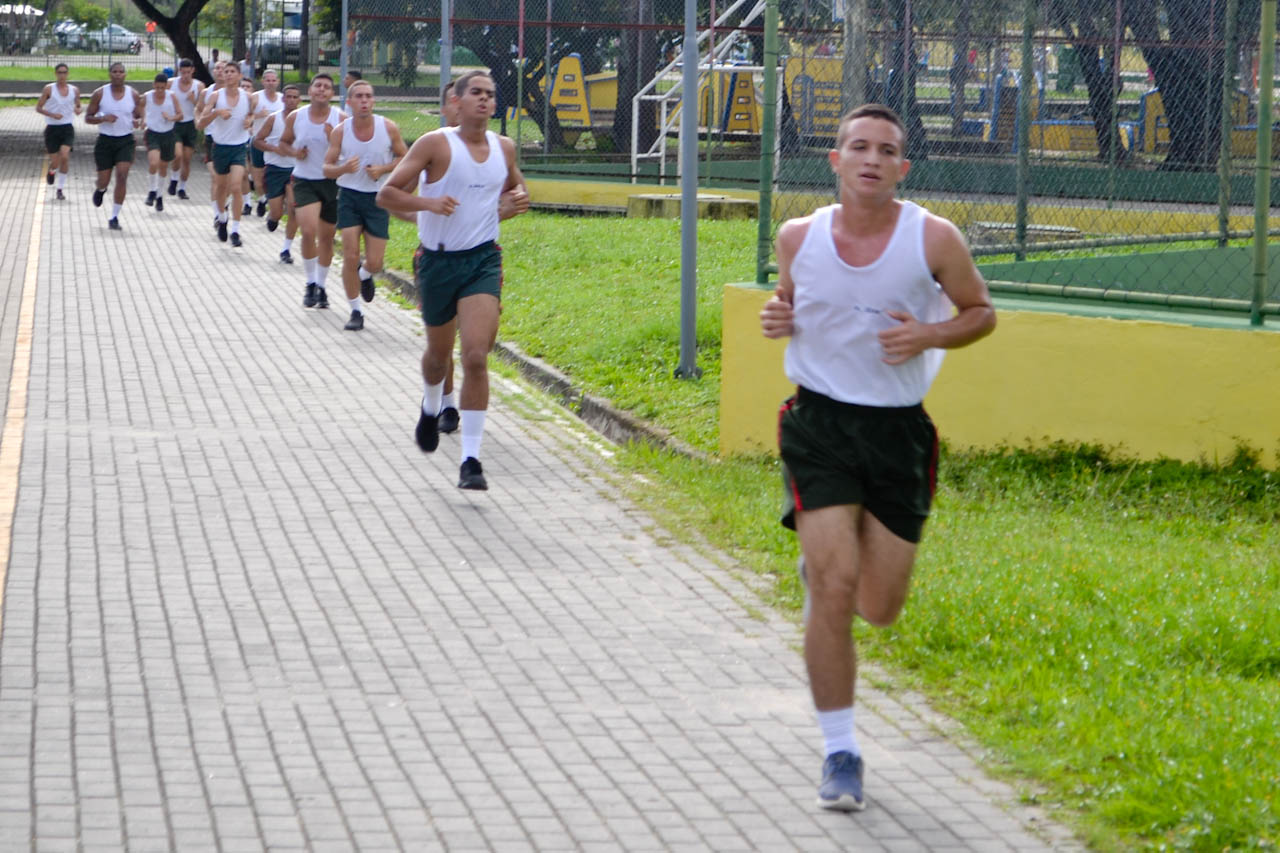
(243,611)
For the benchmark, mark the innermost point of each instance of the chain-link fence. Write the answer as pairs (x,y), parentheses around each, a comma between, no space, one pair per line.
(1089,149)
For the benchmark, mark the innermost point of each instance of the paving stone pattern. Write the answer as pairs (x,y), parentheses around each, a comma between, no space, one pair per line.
(244,612)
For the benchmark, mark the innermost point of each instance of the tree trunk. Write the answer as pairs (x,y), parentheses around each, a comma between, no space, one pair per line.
(238,48)
(178,28)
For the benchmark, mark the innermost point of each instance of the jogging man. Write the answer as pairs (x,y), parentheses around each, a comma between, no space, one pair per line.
(117,110)
(227,115)
(187,90)
(202,106)
(363,150)
(865,292)
(59,104)
(315,197)
(278,174)
(461,173)
(267,103)
(160,115)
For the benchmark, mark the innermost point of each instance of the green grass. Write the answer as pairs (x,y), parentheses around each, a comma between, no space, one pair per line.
(1108,630)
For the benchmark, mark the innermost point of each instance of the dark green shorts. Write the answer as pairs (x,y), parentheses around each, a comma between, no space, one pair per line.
(323,192)
(277,180)
(446,277)
(162,142)
(837,454)
(110,150)
(208,148)
(357,208)
(58,135)
(185,132)
(257,158)
(226,156)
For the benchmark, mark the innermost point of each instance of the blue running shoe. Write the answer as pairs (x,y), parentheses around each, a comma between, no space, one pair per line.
(841,788)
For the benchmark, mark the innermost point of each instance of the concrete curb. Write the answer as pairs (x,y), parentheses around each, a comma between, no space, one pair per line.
(614,424)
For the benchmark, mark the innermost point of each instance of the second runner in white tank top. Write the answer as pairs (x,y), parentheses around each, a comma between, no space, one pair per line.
(156,122)
(230,131)
(65,105)
(375,152)
(307,134)
(476,186)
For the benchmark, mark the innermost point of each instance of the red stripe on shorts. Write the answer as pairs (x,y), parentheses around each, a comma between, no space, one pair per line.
(790,481)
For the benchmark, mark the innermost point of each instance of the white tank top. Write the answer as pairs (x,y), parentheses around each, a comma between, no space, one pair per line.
(315,138)
(375,152)
(186,99)
(230,131)
(841,309)
(476,186)
(121,112)
(64,104)
(156,122)
(272,107)
(211,92)
(271,158)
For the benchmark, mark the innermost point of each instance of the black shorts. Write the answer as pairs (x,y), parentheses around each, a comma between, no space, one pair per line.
(838,454)
(360,209)
(277,180)
(185,133)
(162,141)
(58,135)
(324,192)
(256,157)
(446,277)
(110,150)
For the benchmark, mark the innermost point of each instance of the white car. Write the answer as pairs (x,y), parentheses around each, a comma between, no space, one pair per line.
(69,34)
(113,37)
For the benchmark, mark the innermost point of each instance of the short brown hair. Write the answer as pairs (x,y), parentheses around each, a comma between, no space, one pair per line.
(460,85)
(879,111)
(362,82)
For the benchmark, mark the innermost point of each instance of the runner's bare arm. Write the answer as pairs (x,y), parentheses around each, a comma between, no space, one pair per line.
(75,94)
(515,195)
(953,268)
(44,96)
(777,318)
(95,101)
(139,107)
(396,194)
(260,141)
(398,150)
(285,146)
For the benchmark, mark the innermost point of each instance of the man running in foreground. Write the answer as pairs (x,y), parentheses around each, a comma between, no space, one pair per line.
(865,292)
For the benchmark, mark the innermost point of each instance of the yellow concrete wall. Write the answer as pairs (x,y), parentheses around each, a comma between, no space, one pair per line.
(1150,388)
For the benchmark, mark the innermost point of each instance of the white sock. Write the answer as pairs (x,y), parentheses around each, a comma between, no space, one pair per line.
(62,180)
(288,244)
(472,421)
(182,185)
(356,305)
(115,210)
(364,273)
(152,178)
(446,402)
(431,396)
(235,226)
(322,274)
(217,211)
(837,731)
(309,267)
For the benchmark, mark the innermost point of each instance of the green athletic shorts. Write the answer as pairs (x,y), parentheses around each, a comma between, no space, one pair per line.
(837,454)
(185,132)
(446,277)
(162,142)
(58,135)
(256,157)
(361,208)
(277,180)
(324,192)
(110,150)
(226,156)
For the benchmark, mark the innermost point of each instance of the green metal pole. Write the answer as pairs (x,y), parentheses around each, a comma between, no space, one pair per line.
(1224,146)
(1262,200)
(1026,92)
(768,136)
(1113,148)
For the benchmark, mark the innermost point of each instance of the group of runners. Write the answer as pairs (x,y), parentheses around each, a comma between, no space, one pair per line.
(323,171)
(870,291)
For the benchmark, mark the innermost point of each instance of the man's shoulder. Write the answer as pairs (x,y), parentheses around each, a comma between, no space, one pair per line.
(792,232)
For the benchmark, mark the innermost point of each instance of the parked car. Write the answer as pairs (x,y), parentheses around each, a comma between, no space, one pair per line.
(114,37)
(69,34)
(278,46)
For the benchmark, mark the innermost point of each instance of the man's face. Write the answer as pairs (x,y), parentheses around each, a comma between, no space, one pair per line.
(117,75)
(869,159)
(270,82)
(246,85)
(360,101)
(230,76)
(160,85)
(219,72)
(61,73)
(321,91)
(186,72)
(479,99)
(291,100)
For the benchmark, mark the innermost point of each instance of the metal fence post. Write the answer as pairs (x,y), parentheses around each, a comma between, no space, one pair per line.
(688,368)
(1224,143)
(1262,201)
(1025,95)
(768,133)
